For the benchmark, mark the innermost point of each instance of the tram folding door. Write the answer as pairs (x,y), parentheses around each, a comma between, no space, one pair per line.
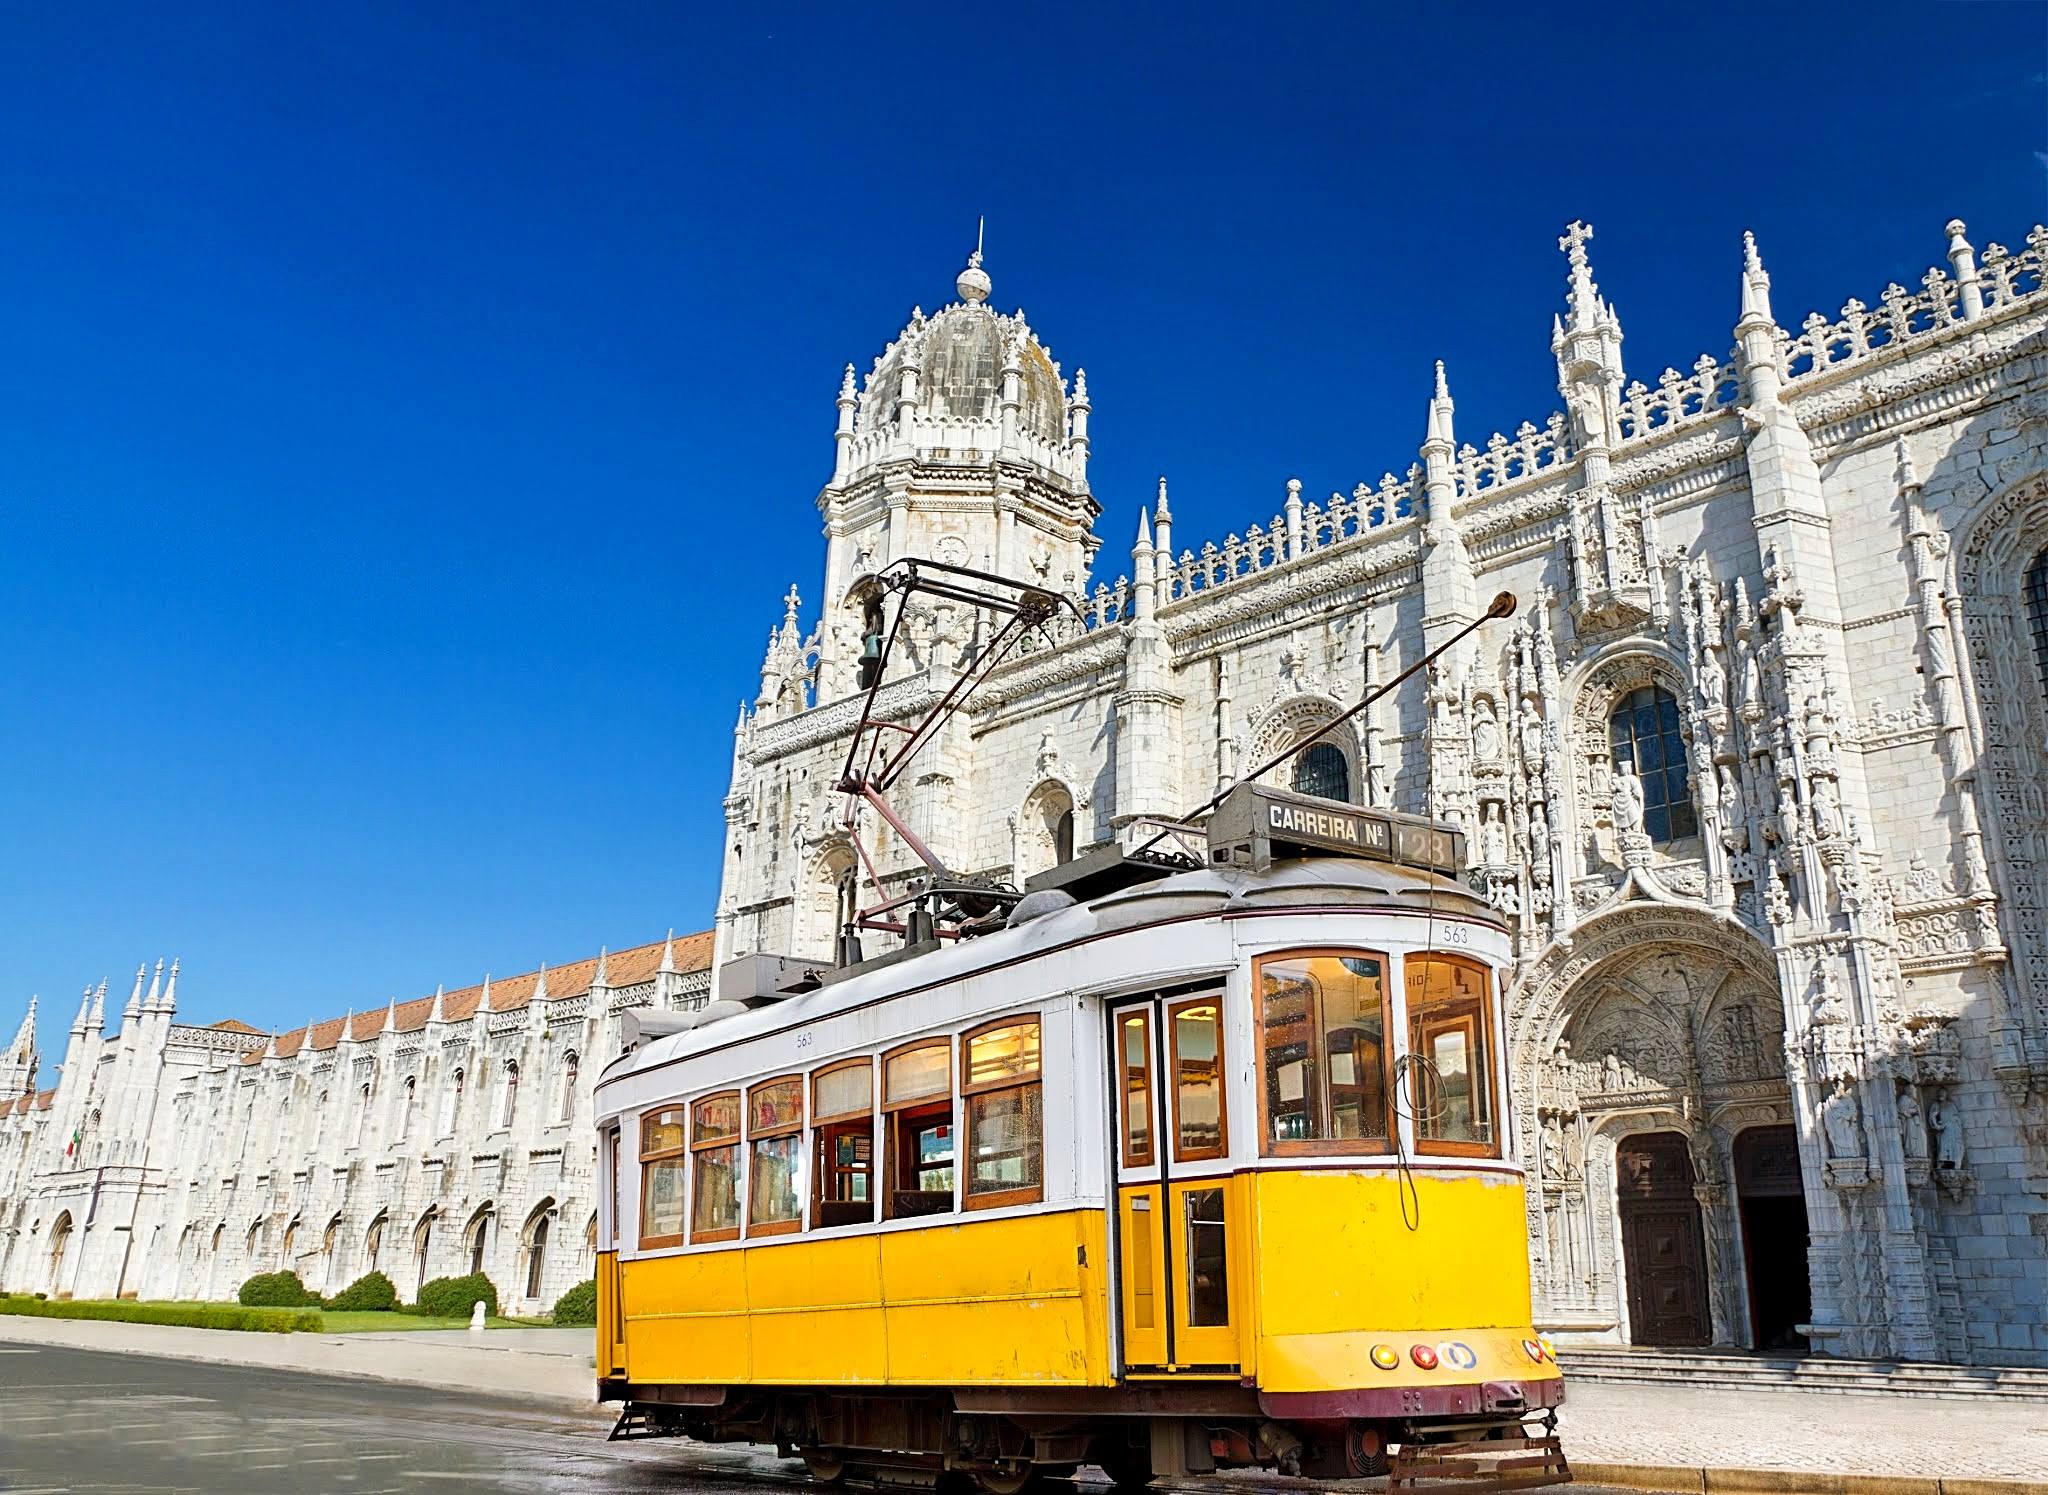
(1174,1193)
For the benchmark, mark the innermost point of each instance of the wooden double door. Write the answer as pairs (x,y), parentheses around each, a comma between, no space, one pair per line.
(1664,1254)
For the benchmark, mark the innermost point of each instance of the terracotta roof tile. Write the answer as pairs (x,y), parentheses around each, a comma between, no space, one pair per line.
(622,968)
(230,1025)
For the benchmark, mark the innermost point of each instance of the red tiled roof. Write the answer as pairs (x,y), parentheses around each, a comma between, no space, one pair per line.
(622,968)
(230,1025)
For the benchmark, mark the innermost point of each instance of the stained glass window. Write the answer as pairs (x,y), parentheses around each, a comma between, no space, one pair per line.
(1644,734)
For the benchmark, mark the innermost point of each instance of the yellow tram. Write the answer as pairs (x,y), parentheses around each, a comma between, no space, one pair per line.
(1181,1167)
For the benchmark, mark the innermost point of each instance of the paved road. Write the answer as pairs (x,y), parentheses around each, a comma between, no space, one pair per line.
(89,1420)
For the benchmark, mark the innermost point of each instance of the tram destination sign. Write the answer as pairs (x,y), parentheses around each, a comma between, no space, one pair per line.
(1256,825)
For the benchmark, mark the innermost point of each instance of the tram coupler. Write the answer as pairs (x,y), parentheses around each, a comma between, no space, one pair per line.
(1506,1455)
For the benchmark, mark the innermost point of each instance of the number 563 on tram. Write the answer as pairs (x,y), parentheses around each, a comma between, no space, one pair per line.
(1186,1167)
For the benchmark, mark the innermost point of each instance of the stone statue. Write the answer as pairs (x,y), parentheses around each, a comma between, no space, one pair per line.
(1485,733)
(1912,1127)
(1493,837)
(1713,679)
(1628,797)
(1825,823)
(1827,1005)
(1553,1148)
(1921,883)
(1610,1073)
(1734,816)
(1842,1121)
(1532,739)
(1948,1136)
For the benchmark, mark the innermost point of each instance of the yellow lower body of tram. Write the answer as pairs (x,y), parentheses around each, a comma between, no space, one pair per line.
(1360,1308)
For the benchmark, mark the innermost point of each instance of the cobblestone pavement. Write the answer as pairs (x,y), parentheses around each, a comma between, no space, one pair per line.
(1830,1432)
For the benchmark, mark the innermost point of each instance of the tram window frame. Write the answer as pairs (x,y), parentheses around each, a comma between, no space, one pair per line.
(728,1142)
(1476,1024)
(1277,1147)
(972,1090)
(650,1159)
(828,1129)
(928,1108)
(1182,1154)
(1143,1151)
(774,1133)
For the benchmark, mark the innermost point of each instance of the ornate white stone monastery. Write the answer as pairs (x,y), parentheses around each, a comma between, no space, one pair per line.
(421,1139)
(1756,772)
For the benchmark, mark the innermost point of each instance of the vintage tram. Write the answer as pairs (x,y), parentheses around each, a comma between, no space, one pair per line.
(1186,1166)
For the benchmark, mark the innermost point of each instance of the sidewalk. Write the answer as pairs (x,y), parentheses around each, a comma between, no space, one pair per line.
(1655,1437)
(546,1365)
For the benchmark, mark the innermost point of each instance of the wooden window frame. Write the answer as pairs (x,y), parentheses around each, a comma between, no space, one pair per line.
(1131,1159)
(821,1120)
(888,1110)
(788,1129)
(1222,1147)
(1310,1147)
(1438,1147)
(963,1148)
(642,1157)
(737,1142)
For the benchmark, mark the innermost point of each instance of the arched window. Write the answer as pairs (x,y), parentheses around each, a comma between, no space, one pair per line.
(2036,596)
(1322,770)
(373,1242)
(60,1239)
(1643,732)
(422,1241)
(362,1114)
(255,1239)
(569,1086)
(451,1105)
(291,1240)
(536,1253)
(1063,835)
(218,1231)
(511,1097)
(409,1095)
(479,1238)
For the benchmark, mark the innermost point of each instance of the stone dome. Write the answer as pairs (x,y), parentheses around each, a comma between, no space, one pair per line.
(960,352)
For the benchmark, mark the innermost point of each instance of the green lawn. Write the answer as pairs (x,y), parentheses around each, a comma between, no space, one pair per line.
(232,1316)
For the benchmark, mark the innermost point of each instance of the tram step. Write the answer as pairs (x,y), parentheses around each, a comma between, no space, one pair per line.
(638,1421)
(1736,1371)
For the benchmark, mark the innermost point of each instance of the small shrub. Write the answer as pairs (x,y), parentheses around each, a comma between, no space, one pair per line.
(276,1290)
(452,1297)
(179,1315)
(370,1293)
(578,1305)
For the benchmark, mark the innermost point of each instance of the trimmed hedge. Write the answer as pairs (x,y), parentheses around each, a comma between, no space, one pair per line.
(276,1290)
(453,1297)
(578,1306)
(370,1293)
(180,1315)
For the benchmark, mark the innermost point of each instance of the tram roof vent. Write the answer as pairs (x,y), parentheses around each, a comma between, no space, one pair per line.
(759,978)
(1256,826)
(1106,869)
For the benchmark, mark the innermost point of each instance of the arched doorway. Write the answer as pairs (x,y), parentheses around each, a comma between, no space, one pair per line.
(1774,1237)
(1663,1246)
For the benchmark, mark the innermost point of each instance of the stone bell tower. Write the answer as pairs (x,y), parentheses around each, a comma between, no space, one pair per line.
(964,444)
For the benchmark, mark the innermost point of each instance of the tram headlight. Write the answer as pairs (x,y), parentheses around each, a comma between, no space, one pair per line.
(1423,1356)
(1549,1349)
(1535,1350)
(1386,1357)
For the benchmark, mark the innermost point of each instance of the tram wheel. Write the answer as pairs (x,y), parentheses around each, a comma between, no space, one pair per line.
(827,1465)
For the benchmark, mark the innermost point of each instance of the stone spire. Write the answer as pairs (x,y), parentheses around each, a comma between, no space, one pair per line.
(540,982)
(348,1029)
(97,1022)
(973,283)
(483,1002)
(668,953)
(1449,591)
(602,976)
(169,1006)
(439,1012)
(84,1013)
(1756,286)
(25,1035)
(135,1000)
(390,1017)
(1162,529)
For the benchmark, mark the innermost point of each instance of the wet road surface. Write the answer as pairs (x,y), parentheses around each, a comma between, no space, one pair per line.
(87,1420)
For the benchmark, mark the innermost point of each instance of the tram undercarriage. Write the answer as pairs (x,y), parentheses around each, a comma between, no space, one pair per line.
(1004,1442)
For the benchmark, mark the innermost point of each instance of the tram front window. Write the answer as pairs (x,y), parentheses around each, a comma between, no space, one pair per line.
(1448,1006)
(1323,1040)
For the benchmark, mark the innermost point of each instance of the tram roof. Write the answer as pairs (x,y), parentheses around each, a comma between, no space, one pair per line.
(1305,882)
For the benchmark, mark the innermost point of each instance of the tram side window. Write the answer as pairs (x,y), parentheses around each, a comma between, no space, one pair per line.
(843,1142)
(1449,1018)
(1000,1082)
(1196,1031)
(715,1168)
(917,1092)
(1135,1038)
(775,1146)
(1323,1038)
(661,1178)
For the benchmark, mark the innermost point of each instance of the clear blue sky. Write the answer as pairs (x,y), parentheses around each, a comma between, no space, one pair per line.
(408,421)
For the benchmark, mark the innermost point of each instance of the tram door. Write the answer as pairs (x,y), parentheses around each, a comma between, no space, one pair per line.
(1173,1185)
